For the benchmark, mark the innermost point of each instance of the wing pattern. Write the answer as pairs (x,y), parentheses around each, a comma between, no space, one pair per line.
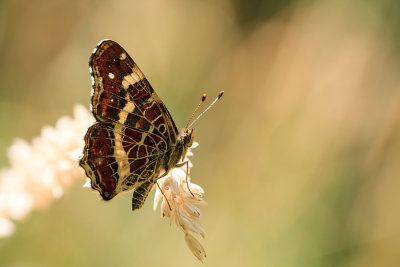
(123,94)
(133,132)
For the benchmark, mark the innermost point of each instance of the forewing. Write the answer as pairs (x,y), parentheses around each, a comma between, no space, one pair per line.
(122,94)
(117,158)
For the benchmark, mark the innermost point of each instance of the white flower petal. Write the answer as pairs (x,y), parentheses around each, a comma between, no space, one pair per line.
(189,223)
(87,183)
(195,246)
(7,228)
(191,209)
(194,145)
(165,209)
(76,154)
(82,114)
(19,205)
(64,164)
(196,190)
(178,173)
(19,149)
(57,192)
(174,186)
(42,170)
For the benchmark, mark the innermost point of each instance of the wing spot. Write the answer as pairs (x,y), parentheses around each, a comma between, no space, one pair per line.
(111,75)
(122,56)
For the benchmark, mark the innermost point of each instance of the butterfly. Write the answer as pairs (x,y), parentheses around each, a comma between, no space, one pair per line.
(134,140)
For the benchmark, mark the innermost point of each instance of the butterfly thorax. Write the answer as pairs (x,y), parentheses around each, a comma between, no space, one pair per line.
(178,152)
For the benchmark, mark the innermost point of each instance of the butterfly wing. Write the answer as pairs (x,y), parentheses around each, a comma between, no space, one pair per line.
(122,94)
(134,128)
(117,158)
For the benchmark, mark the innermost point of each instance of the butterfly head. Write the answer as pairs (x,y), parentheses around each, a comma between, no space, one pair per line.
(185,141)
(187,137)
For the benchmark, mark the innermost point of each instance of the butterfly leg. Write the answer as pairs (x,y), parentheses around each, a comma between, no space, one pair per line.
(187,174)
(163,175)
(140,194)
(166,199)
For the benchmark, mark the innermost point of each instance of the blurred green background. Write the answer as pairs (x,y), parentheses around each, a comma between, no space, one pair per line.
(299,160)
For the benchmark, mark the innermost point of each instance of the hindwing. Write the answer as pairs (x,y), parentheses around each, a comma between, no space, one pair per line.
(118,158)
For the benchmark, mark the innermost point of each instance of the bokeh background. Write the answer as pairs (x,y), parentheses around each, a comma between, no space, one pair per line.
(299,160)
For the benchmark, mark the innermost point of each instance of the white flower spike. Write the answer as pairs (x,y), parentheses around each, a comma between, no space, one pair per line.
(182,206)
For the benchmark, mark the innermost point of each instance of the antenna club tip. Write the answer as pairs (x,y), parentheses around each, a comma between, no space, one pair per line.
(203,98)
(220,94)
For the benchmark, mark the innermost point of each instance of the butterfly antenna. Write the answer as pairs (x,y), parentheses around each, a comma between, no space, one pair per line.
(203,98)
(212,104)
